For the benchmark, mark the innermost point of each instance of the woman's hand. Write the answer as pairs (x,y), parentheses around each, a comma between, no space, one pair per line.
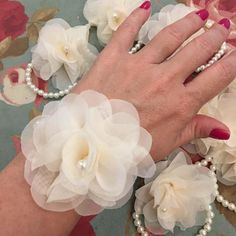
(167,104)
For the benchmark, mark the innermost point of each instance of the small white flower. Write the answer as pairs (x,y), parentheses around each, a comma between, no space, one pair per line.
(63,51)
(178,196)
(85,152)
(108,15)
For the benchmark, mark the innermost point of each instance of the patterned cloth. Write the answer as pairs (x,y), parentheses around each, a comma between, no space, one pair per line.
(20,23)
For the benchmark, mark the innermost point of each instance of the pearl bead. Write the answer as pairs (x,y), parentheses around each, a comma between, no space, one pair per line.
(210,208)
(213,168)
(209,159)
(36,90)
(29,83)
(204,163)
(217,193)
(225,203)
(231,206)
(198,164)
(210,214)
(209,221)
(66,91)
(28,79)
(32,86)
(137,222)
(207,227)
(56,95)
(50,95)
(144,233)
(140,229)
(40,92)
(70,87)
(203,232)
(135,215)
(45,95)
(219,198)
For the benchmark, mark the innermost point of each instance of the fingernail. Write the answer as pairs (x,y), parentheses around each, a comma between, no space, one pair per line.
(220,134)
(225,22)
(146,5)
(203,14)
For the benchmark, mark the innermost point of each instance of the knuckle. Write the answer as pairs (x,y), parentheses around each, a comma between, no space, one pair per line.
(175,34)
(205,45)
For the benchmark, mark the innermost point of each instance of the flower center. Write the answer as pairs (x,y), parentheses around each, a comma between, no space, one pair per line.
(66,50)
(82,156)
(116,18)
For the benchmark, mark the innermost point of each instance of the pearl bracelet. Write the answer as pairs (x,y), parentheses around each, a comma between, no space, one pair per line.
(210,214)
(42,93)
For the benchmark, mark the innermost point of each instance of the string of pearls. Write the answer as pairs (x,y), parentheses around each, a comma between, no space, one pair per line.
(214,59)
(206,228)
(60,93)
(39,91)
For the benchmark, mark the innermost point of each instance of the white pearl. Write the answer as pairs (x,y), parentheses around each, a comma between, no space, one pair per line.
(231,206)
(221,51)
(198,163)
(217,193)
(56,95)
(30,65)
(36,90)
(213,168)
(207,227)
(29,83)
(219,198)
(45,95)
(203,232)
(210,207)
(144,233)
(211,62)
(61,93)
(66,91)
(40,92)
(202,67)
(225,203)
(28,69)
(28,79)
(135,215)
(211,173)
(50,95)
(138,210)
(204,163)
(32,86)
(70,87)
(210,214)
(140,229)
(209,159)
(209,221)
(137,222)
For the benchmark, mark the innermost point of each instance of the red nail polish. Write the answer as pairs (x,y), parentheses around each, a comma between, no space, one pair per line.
(220,134)
(225,22)
(203,14)
(146,5)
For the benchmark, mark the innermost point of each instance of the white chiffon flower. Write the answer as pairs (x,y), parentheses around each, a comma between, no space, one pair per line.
(85,152)
(224,159)
(63,51)
(167,15)
(107,15)
(179,195)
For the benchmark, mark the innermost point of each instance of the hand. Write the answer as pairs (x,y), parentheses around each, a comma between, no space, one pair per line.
(167,103)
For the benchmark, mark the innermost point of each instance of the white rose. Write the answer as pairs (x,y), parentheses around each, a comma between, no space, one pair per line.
(179,195)
(63,51)
(85,152)
(108,15)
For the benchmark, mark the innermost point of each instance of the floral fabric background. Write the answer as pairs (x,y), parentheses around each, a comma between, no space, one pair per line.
(20,22)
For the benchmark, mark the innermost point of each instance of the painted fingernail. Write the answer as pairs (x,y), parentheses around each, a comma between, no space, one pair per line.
(203,14)
(146,5)
(220,134)
(225,22)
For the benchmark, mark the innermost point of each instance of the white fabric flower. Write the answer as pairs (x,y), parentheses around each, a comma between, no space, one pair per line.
(179,195)
(167,15)
(85,152)
(63,51)
(107,15)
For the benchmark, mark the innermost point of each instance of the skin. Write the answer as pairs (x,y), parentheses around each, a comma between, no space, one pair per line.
(167,105)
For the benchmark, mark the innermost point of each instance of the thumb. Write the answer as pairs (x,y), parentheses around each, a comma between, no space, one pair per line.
(202,126)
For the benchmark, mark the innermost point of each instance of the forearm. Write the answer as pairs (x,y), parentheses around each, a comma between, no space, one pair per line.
(18,212)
